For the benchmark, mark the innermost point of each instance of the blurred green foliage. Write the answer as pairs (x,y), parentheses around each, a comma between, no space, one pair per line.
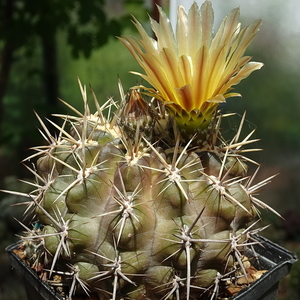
(85,23)
(85,46)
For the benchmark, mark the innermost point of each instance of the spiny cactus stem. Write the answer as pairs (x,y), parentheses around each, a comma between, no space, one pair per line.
(214,134)
(172,171)
(238,133)
(127,212)
(63,227)
(186,238)
(137,139)
(48,137)
(235,239)
(116,272)
(63,243)
(235,146)
(176,149)
(37,176)
(175,159)
(220,186)
(32,233)
(216,286)
(126,203)
(195,221)
(83,173)
(75,280)
(249,232)
(74,274)
(61,246)
(126,206)
(237,254)
(17,193)
(219,183)
(62,131)
(84,129)
(219,277)
(177,284)
(252,190)
(55,223)
(187,241)
(262,183)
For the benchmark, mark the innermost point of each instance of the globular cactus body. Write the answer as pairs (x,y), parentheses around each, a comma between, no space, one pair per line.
(140,218)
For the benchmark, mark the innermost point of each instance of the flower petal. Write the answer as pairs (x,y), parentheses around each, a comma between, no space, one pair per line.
(190,70)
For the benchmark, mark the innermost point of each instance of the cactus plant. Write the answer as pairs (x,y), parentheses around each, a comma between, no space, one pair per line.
(149,201)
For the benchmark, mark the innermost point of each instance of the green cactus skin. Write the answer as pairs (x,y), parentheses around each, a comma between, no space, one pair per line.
(129,209)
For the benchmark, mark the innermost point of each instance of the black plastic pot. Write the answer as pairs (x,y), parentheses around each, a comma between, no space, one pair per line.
(269,256)
(272,257)
(36,289)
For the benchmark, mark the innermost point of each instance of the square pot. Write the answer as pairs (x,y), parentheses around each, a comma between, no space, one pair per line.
(274,258)
(268,256)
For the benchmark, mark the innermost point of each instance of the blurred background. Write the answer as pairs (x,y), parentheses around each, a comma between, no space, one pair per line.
(45,45)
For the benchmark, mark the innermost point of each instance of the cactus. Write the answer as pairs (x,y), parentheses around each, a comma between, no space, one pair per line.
(149,201)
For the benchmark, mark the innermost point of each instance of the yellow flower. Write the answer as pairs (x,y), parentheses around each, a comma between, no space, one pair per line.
(191,70)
